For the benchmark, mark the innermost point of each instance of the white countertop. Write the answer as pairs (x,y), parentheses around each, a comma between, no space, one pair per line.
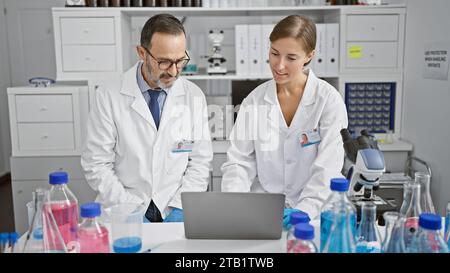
(221,146)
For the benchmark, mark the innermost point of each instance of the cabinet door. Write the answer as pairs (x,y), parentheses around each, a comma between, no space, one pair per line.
(30,38)
(22,194)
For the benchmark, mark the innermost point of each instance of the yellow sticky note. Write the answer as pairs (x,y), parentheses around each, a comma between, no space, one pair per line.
(355,52)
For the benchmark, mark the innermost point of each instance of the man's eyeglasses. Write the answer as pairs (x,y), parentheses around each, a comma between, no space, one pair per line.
(165,64)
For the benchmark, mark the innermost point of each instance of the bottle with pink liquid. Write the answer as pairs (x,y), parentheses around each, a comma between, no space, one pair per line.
(92,235)
(304,234)
(64,206)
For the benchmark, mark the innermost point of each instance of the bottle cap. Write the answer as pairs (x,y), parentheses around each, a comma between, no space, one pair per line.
(90,210)
(4,237)
(339,184)
(430,221)
(299,217)
(57,178)
(304,231)
(14,237)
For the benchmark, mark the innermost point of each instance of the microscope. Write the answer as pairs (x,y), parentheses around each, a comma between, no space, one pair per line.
(366,166)
(216,59)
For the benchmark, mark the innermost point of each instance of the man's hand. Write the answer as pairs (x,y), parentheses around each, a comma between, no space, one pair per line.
(176,215)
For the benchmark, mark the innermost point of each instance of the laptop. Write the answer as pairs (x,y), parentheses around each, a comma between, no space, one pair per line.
(232,215)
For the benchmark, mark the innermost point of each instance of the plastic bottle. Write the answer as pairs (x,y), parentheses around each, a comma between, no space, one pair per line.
(295,218)
(92,235)
(4,242)
(428,238)
(304,234)
(64,206)
(447,223)
(13,239)
(339,188)
(368,237)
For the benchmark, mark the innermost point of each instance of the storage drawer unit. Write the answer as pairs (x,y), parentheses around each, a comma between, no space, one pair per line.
(372,41)
(47,121)
(91,44)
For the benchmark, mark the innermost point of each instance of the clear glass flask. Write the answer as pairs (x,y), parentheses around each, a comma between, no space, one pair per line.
(342,237)
(447,224)
(428,238)
(34,240)
(368,236)
(92,235)
(394,238)
(53,240)
(425,197)
(413,210)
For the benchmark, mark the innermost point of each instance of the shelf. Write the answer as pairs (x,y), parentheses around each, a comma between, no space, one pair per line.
(235,11)
(239,77)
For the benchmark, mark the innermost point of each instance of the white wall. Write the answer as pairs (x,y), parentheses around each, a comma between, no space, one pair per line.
(426,112)
(5,142)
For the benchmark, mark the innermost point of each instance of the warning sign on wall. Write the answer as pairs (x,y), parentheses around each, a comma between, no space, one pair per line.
(436,60)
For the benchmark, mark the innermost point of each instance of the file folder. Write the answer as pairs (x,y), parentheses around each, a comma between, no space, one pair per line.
(332,49)
(241,45)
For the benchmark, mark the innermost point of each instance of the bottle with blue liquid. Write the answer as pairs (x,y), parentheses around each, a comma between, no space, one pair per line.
(339,202)
(368,237)
(303,243)
(428,238)
(295,218)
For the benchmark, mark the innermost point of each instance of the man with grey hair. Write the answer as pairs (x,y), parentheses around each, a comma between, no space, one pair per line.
(148,137)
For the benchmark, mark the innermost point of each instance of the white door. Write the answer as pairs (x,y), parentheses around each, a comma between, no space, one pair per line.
(30,39)
(5,81)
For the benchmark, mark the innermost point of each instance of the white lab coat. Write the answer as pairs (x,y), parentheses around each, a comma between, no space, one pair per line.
(273,160)
(126,159)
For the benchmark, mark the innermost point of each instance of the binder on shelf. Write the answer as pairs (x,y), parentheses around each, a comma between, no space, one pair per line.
(332,49)
(241,47)
(265,42)
(320,58)
(255,48)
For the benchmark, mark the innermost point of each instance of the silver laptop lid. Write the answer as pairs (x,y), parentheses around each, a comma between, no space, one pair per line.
(232,215)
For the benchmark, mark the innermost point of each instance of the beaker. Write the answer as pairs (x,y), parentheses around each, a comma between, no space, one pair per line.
(368,238)
(34,242)
(127,227)
(394,238)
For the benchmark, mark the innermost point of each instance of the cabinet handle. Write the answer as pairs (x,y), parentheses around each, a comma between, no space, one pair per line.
(87,59)
(44,108)
(372,28)
(45,136)
(87,30)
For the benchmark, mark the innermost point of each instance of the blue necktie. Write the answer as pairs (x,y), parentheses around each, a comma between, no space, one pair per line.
(154,105)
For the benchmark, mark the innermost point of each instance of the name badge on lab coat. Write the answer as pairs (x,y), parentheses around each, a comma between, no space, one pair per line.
(184,146)
(310,137)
